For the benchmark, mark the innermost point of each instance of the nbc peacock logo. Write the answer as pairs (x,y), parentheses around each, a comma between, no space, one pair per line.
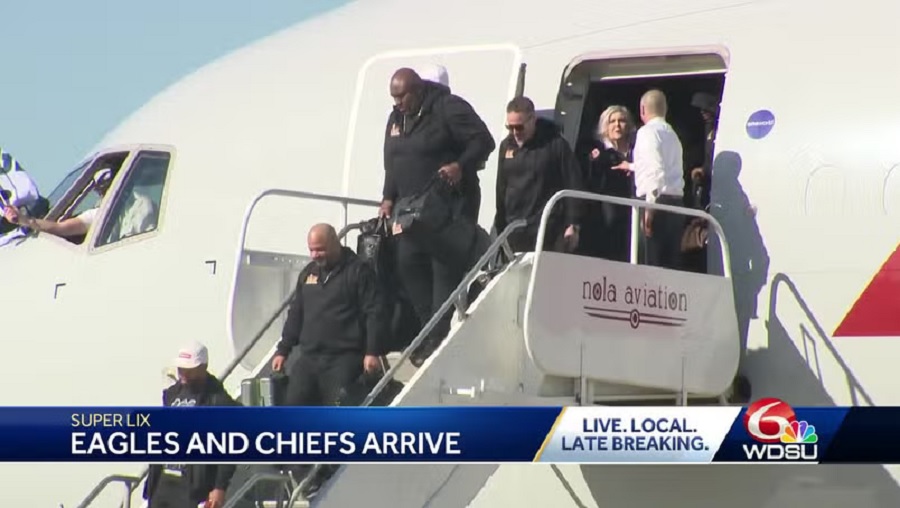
(800,432)
(779,435)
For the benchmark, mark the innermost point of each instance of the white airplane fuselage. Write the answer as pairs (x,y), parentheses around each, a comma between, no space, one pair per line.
(305,109)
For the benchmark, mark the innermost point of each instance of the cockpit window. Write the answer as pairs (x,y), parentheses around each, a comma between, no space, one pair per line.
(136,210)
(67,183)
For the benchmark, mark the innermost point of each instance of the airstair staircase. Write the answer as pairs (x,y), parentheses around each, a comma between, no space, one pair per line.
(548,329)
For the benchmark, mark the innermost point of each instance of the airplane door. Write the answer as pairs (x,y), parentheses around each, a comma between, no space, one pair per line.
(520,81)
(486,76)
(573,91)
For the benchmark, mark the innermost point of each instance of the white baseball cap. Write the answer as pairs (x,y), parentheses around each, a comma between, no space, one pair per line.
(102,176)
(434,73)
(192,356)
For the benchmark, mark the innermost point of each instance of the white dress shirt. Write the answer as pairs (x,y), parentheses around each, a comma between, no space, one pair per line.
(658,166)
(88,216)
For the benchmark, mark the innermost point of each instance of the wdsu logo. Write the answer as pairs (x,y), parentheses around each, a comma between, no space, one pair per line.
(772,423)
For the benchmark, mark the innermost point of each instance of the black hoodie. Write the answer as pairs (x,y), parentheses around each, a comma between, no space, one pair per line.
(445,129)
(528,176)
(202,478)
(335,311)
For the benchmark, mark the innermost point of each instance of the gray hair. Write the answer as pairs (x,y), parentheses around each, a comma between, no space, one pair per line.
(654,103)
(603,124)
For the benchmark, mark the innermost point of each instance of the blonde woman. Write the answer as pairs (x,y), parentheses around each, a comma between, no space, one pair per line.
(606,231)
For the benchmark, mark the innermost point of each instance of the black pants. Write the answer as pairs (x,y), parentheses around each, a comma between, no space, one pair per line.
(471,205)
(606,232)
(318,379)
(663,247)
(427,281)
(172,492)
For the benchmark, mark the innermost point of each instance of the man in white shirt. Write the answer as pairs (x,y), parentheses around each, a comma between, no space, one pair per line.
(659,178)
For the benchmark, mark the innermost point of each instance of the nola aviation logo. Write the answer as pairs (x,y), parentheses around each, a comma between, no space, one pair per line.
(778,434)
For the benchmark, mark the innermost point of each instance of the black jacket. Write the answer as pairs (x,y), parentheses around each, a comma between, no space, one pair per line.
(528,176)
(446,129)
(335,311)
(202,478)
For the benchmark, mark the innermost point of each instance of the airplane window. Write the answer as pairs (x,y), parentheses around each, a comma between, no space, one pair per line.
(136,210)
(66,183)
(90,200)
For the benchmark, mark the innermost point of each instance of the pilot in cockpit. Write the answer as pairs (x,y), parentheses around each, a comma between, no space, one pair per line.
(73,226)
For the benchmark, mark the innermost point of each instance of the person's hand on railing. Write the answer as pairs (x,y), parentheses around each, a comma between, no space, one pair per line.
(648,222)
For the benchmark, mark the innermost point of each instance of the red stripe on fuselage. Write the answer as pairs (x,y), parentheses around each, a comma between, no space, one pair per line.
(877,311)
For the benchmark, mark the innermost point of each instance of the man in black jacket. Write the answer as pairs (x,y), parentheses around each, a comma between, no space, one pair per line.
(187,485)
(535,162)
(336,321)
(431,133)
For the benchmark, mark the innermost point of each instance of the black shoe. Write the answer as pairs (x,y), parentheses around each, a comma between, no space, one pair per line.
(424,351)
(315,484)
(311,489)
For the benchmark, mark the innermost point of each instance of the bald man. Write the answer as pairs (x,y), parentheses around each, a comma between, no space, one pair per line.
(659,178)
(334,321)
(431,133)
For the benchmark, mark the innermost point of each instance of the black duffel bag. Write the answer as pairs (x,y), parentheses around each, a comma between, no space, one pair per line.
(459,244)
(427,211)
(432,219)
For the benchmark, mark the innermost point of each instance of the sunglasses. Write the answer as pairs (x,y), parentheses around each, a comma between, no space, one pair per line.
(516,128)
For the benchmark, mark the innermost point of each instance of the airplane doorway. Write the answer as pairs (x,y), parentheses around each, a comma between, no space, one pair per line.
(679,90)
(591,85)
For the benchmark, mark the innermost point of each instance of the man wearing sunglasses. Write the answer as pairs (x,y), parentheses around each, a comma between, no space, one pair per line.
(534,163)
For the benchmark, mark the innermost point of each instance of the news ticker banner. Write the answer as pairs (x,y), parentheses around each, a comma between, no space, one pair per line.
(767,430)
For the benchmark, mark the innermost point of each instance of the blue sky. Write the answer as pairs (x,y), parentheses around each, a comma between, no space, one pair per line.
(72,70)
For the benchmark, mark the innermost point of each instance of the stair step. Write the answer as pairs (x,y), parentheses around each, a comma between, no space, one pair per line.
(406,371)
(300,503)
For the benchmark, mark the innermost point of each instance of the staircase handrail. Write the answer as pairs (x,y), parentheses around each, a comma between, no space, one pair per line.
(635,204)
(238,495)
(130,481)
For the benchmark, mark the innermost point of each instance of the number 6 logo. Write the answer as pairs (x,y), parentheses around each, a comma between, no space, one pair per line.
(766,419)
